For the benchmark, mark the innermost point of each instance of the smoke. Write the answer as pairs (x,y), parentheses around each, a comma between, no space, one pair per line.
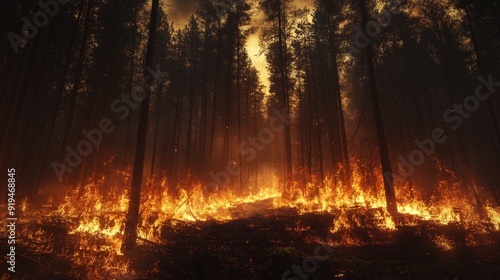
(301,3)
(179,11)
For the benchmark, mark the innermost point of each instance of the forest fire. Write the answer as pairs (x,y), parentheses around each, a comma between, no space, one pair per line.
(94,217)
(250,139)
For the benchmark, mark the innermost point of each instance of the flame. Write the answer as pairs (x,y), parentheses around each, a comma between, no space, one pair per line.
(444,243)
(95,213)
(494,216)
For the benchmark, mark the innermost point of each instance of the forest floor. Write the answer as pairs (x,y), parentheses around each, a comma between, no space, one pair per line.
(281,245)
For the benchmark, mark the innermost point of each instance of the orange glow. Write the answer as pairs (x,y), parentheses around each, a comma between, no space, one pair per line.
(97,211)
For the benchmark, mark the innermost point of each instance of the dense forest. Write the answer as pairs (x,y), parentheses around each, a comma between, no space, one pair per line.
(406,90)
(250,139)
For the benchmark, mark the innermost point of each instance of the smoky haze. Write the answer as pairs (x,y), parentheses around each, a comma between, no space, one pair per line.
(179,11)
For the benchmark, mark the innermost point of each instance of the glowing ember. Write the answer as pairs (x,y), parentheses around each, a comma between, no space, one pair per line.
(95,213)
(444,243)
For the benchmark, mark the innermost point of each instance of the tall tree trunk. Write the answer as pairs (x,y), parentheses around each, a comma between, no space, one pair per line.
(59,94)
(481,70)
(238,89)
(77,77)
(282,42)
(130,234)
(310,90)
(157,129)
(346,170)
(172,157)
(33,101)
(216,87)
(227,120)
(19,94)
(192,105)
(390,196)
(204,100)
(94,101)
(131,87)
(319,136)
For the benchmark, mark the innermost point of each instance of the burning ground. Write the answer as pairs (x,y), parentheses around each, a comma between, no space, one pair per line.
(247,139)
(317,232)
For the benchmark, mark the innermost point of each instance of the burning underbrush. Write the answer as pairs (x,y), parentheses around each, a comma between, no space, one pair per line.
(78,236)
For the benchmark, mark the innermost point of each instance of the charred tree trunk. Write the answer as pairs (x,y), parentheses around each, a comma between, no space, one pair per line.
(157,129)
(282,41)
(60,93)
(192,105)
(238,89)
(390,196)
(25,138)
(229,81)
(131,86)
(204,101)
(481,71)
(346,170)
(77,77)
(310,89)
(215,92)
(130,235)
